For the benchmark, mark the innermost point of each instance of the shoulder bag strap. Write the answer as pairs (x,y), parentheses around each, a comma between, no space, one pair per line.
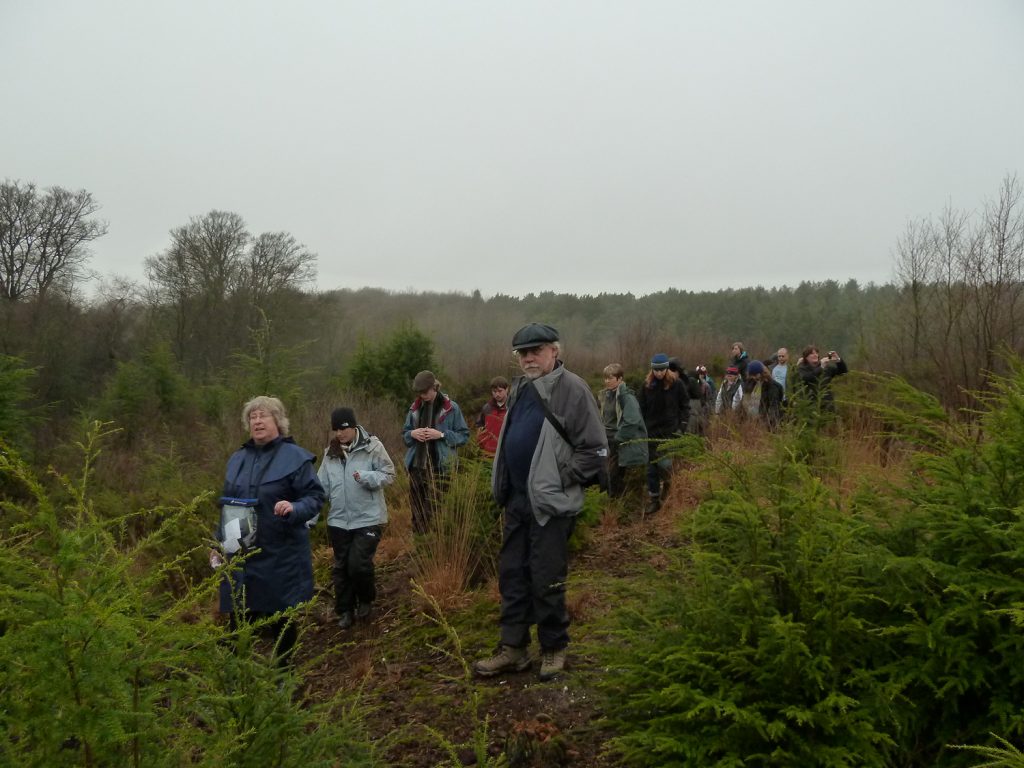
(551,418)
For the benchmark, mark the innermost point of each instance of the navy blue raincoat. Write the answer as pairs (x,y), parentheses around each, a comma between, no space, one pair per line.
(280,574)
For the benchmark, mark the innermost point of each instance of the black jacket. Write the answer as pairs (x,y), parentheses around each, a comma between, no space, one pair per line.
(770,406)
(666,411)
(814,381)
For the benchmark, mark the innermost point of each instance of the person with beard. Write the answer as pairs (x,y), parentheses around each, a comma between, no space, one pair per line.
(434,428)
(552,445)
(354,471)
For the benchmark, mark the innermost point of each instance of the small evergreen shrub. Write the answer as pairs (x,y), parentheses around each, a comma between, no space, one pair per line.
(955,574)
(386,369)
(100,666)
(144,392)
(15,393)
(810,628)
(754,650)
(594,503)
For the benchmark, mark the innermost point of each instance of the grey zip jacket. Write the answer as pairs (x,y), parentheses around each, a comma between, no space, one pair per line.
(357,503)
(557,470)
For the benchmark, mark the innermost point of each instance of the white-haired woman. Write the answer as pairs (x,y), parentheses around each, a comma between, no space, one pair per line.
(272,479)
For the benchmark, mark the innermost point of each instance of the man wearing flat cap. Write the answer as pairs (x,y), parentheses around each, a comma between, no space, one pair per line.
(551,445)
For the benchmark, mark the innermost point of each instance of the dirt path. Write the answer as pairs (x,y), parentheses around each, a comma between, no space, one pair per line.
(411,676)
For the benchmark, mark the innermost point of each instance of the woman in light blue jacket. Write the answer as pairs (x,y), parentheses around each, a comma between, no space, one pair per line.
(355,469)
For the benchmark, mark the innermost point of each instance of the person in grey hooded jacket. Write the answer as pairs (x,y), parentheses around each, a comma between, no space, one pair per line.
(355,469)
(551,445)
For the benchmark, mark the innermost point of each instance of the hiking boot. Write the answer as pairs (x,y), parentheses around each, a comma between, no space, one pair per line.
(345,621)
(507,659)
(653,505)
(363,610)
(551,664)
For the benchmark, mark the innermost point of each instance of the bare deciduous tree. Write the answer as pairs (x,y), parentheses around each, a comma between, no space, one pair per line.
(205,258)
(217,280)
(913,270)
(276,261)
(962,278)
(195,275)
(43,237)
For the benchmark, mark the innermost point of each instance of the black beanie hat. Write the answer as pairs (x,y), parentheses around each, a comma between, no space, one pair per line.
(342,418)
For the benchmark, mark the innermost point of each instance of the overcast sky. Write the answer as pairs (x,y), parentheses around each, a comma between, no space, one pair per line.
(578,146)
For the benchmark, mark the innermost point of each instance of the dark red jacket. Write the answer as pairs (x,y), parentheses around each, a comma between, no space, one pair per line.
(492,416)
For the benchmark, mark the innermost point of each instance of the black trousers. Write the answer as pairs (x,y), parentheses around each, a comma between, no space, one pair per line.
(423,490)
(353,572)
(659,468)
(533,568)
(616,473)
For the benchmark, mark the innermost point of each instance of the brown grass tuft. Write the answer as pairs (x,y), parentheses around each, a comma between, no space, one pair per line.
(458,549)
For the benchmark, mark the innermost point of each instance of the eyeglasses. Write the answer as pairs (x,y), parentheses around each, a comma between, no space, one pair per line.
(530,350)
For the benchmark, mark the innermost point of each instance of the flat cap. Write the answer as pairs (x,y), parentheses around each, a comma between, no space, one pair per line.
(533,335)
(424,380)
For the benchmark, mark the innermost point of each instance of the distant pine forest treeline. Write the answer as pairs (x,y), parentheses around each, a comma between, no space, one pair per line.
(77,347)
(226,308)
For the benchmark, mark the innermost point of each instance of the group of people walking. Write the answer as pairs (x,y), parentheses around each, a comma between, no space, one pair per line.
(672,402)
(764,389)
(549,438)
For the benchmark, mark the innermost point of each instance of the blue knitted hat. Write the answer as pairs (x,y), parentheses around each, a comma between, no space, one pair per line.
(659,362)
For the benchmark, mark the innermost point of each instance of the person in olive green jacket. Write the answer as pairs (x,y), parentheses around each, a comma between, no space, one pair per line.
(624,428)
